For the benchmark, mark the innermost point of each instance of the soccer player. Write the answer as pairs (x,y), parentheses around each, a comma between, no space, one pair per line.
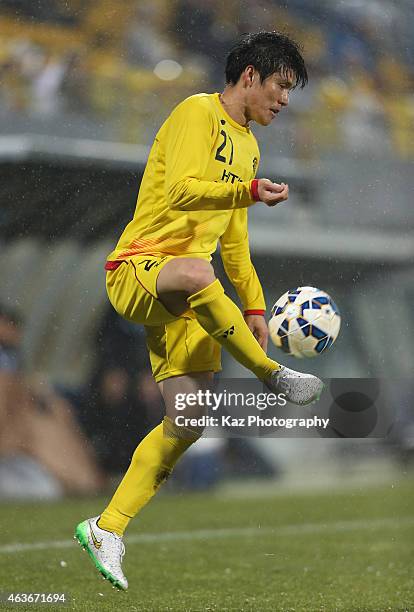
(197,187)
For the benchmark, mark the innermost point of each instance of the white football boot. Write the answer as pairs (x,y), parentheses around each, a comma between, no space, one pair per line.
(106,550)
(297,387)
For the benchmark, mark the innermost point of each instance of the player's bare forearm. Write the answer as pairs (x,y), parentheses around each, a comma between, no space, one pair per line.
(258,326)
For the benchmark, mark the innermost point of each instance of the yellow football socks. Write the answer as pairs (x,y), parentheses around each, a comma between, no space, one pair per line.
(151,464)
(222,319)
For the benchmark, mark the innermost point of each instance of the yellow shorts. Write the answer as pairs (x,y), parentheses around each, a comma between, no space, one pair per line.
(177,345)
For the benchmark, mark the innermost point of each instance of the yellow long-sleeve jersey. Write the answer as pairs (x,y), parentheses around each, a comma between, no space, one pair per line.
(195,192)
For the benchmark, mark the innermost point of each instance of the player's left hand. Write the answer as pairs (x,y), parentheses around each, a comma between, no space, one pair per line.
(258,326)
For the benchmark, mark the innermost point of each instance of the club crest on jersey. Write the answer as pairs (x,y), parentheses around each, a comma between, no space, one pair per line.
(255,162)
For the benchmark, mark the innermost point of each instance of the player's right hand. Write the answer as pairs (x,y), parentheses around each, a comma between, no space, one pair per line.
(272,193)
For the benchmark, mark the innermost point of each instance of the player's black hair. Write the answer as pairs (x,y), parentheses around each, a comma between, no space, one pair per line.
(268,53)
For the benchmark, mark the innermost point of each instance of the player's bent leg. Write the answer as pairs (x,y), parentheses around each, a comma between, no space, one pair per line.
(223,320)
(180,278)
(184,283)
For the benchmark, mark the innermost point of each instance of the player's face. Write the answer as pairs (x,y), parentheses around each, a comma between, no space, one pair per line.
(266,100)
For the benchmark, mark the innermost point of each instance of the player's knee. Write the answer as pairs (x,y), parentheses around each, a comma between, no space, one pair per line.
(197,276)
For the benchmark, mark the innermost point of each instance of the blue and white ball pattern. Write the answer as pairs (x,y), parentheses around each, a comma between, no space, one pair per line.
(305,322)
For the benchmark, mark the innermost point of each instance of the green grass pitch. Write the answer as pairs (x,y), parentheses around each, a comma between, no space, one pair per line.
(336,550)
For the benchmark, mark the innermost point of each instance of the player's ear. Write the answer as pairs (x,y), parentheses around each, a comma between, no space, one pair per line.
(249,75)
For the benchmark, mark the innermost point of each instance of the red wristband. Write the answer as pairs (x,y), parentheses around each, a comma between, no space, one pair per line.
(255,312)
(254,188)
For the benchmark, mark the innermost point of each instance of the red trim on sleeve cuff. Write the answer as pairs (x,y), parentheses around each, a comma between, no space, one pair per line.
(254,188)
(255,312)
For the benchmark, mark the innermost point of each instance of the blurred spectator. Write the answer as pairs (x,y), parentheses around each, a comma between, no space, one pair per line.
(146,43)
(114,419)
(120,343)
(122,402)
(13,90)
(10,337)
(75,85)
(147,397)
(42,449)
(202,467)
(46,86)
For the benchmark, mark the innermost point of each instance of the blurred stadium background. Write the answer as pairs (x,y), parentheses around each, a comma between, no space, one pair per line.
(84,87)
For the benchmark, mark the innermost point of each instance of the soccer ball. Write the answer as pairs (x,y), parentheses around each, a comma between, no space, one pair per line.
(305,322)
